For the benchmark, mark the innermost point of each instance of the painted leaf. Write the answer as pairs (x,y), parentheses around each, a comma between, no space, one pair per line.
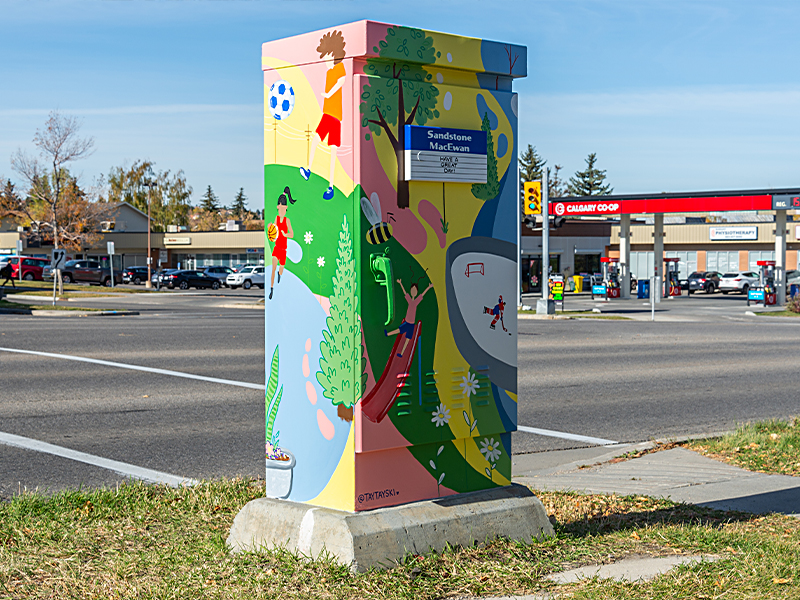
(488,472)
(440,450)
(272,384)
(466,417)
(433,465)
(441,478)
(273,413)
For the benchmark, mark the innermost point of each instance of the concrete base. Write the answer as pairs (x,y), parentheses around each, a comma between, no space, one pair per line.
(545,307)
(382,537)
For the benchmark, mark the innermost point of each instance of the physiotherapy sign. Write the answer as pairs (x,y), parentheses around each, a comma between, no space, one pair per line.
(724,234)
(444,154)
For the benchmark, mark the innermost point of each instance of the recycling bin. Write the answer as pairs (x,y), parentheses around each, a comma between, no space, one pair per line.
(578,279)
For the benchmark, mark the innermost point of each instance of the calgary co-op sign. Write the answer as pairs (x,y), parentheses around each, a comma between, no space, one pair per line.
(585,208)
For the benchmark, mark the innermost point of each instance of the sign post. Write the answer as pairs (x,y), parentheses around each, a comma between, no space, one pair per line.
(19,259)
(111,261)
(544,306)
(57,261)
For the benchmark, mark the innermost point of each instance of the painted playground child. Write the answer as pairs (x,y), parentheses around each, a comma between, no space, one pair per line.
(331,48)
(407,326)
(279,232)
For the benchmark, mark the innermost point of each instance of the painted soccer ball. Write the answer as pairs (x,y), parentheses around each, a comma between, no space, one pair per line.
(272,232)
(281,99)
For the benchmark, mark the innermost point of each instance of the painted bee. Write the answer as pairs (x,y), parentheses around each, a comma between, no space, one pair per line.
(380,231)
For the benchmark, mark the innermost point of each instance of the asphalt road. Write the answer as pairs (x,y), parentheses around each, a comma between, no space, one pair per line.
(702,367)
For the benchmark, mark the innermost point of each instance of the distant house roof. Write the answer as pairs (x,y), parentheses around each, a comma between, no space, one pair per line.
(131,206)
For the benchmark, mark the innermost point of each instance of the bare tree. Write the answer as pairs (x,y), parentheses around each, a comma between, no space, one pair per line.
(54,198)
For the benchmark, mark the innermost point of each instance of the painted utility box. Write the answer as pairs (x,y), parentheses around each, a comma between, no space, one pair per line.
(391,208)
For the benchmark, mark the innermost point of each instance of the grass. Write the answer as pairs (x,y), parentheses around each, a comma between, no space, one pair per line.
(766,447)
(46,287)
(17,305)
(778,313)
(140,541)
(106,293)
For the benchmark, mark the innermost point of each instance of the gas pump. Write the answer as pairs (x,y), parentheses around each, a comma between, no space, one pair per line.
(611,276)
(764,293)
(672,283)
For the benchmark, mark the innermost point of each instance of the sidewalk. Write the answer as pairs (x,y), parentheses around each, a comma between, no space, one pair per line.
(678,474)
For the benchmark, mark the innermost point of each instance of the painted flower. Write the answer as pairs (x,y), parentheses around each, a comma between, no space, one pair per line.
(491,450)
(441,416)
(321,261)
(308,237)
(469,384)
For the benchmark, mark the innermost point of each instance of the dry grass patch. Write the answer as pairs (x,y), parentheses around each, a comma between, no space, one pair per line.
(765,447)
(142,541)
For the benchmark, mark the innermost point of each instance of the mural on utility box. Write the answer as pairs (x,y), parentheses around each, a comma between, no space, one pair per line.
(392,363)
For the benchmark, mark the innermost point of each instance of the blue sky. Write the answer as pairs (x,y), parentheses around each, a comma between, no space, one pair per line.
(672,96)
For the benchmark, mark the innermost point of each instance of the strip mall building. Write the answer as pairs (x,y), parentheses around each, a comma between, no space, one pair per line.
(707,231)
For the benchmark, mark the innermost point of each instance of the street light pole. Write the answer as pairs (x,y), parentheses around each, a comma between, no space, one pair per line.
(149,283)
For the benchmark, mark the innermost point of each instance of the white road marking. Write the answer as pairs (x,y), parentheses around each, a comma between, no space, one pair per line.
(148,475)
(567,436)
(106,363)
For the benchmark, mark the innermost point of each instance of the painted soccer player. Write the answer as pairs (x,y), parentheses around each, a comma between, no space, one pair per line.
(284,233)
(407,326)
(331,49)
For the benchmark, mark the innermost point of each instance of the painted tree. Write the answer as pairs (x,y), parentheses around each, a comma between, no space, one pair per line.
(590,182)
(340,364)
(140,184)
(490,189)
(399,94)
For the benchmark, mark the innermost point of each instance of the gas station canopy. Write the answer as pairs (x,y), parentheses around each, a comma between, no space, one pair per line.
(677,203)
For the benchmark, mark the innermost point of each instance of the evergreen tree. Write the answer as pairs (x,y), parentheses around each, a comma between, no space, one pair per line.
(490,189)
(209,201)
(531,165)
(239,206)
(555,185)
(590,182)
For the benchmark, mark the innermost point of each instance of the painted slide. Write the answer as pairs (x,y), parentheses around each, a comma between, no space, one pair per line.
(391,356)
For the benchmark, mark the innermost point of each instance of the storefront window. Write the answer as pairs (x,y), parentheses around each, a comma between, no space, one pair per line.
(757,255)
(723,261)
(587,263)
(687,262)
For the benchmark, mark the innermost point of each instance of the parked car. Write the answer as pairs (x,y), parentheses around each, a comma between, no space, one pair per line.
(84,271)
(248,277)
(32,268)
(239,267)
(221,273)
(159,275)
(186,279)
(739,281)
(134,275)
(707,281)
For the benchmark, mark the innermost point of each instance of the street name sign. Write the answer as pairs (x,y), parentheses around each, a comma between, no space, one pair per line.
(444,154)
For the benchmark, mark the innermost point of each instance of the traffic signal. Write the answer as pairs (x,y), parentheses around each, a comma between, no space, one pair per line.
(533,198)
